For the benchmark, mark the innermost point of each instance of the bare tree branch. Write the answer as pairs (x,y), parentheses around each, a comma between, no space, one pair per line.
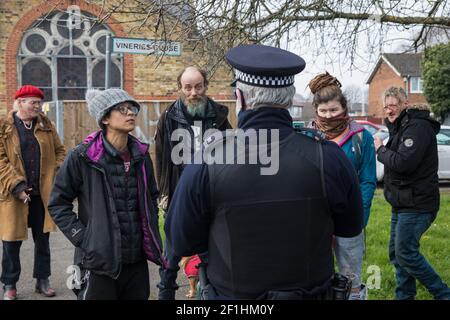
(211,27)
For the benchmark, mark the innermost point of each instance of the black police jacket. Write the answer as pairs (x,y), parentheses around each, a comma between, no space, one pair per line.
(410,161)
(262,222)
(267,232)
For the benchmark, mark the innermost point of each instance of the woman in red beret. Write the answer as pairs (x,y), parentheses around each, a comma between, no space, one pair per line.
(30,153)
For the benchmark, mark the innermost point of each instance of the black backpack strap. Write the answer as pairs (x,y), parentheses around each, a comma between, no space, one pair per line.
(357,149)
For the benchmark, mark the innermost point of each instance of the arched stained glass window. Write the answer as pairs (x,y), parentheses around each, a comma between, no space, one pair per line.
(37,72)
(98,75)
(63,53)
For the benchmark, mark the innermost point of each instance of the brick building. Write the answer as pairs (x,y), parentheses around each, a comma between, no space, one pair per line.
(39,46)
(395,69)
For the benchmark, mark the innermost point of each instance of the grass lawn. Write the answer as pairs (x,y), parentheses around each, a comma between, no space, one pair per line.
(435,246)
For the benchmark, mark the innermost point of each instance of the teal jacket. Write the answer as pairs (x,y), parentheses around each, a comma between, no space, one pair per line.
(366,167)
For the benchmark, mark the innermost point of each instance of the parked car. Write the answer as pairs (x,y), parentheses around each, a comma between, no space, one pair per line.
(384,136)
(372,127)
(443,144)
(297,124)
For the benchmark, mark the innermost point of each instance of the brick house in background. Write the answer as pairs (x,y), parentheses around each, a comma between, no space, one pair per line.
(395,69)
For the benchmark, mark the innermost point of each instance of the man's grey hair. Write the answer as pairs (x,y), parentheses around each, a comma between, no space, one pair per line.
(262,96)
(395,92)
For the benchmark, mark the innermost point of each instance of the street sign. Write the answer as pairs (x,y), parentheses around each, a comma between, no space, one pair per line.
(146,46)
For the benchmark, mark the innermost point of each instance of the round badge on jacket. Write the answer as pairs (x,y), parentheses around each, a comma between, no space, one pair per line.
(409,143)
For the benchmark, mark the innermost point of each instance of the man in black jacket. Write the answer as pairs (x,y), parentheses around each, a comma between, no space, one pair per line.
(194,113)
(116,229)
(411,186)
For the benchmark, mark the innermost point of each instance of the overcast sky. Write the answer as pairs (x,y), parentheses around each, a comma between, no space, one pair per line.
(338,66)
(316,65)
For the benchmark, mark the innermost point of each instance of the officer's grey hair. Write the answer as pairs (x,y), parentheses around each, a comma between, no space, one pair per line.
(259,96)
(395,92)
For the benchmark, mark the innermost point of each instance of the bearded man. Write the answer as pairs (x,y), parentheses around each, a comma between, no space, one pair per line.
(195,113)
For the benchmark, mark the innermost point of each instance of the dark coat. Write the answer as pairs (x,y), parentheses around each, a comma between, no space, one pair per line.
(95,230)
(410,161)
(167,173)
(199,220)
(125,192)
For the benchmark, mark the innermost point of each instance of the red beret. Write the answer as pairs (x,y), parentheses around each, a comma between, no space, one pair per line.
(29,91)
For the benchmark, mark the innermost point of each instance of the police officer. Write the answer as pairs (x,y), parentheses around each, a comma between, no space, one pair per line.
(268,234)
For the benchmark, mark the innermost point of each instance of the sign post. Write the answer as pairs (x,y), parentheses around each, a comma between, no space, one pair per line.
(108,62)
(146,46)
(137,46)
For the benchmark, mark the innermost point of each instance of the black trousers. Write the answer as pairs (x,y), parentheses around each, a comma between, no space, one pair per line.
(11,249)
(133,284)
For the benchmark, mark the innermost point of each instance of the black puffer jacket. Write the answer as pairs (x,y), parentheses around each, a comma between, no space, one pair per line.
(125,192)
(95,230)
(410,161)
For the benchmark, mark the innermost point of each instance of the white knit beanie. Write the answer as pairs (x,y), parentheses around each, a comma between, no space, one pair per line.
(99,102)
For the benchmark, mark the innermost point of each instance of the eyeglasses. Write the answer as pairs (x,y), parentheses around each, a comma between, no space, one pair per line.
(390,106)
(34,102)
(124,108)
